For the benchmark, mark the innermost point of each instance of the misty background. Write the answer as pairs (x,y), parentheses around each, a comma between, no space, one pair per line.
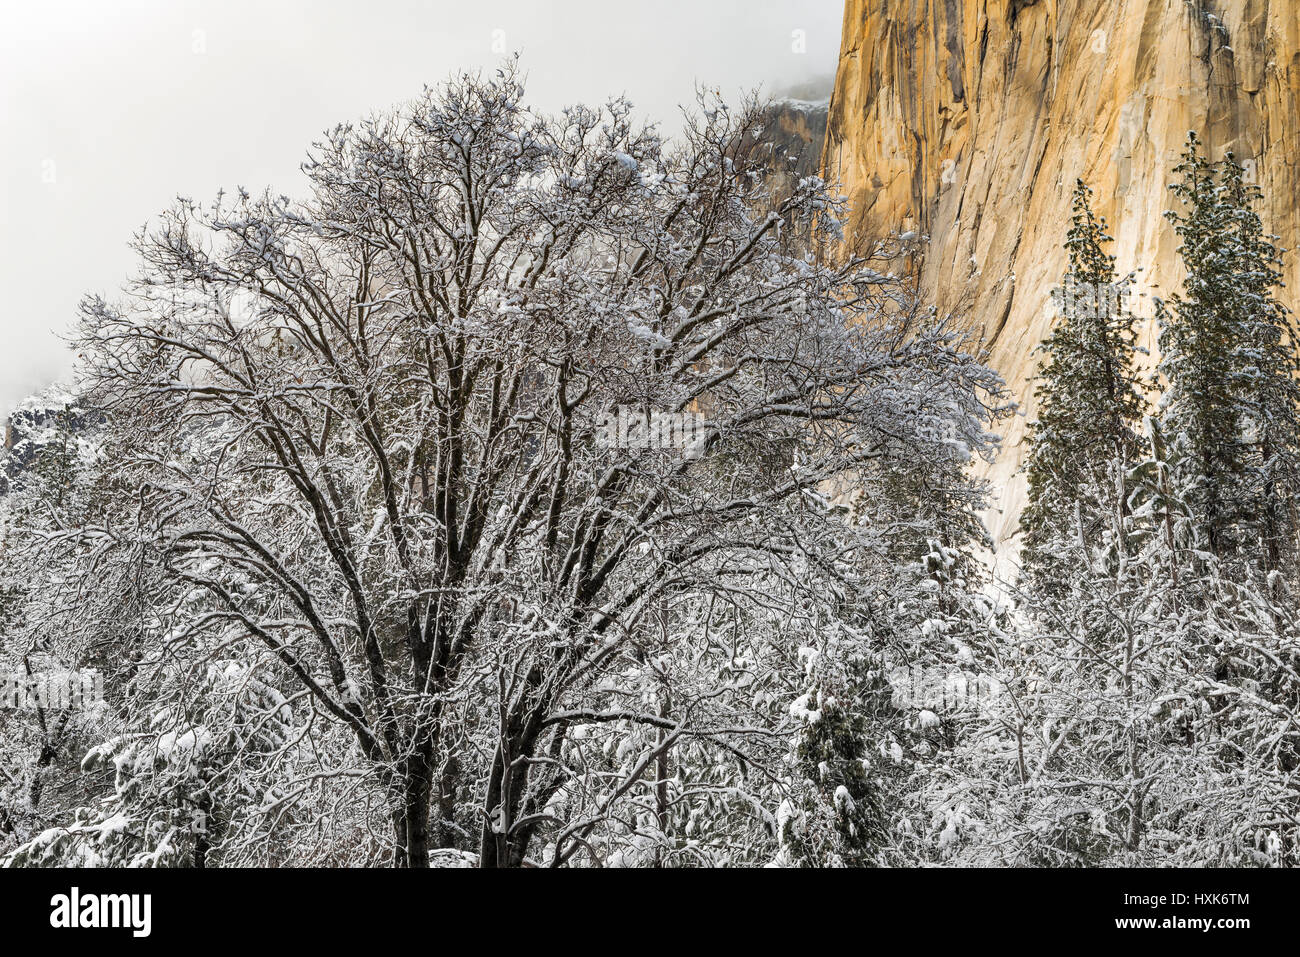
(111,108)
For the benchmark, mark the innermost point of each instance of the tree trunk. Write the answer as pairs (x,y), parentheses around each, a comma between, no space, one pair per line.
(494,843)
(444,828)
(411,816)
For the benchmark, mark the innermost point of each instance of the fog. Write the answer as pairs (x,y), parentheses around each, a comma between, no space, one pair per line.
(111,107)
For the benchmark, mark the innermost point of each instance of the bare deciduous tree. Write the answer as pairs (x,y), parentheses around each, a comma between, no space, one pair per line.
(366,434)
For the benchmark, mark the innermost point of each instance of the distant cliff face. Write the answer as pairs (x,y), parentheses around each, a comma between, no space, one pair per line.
(794,129)
(51,419)
(797,129)
(969,121)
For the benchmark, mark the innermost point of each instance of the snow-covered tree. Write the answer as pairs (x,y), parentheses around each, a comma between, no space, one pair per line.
(51,481)
(1228,353)
(1140,720)
(375,492)
(1084,439)
(1150,676)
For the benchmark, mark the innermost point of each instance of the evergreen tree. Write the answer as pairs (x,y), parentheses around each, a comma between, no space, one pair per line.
(1088,398)
(1227,349)
(835,814)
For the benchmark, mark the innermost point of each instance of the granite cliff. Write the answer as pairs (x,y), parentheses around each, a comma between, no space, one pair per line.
(968,121)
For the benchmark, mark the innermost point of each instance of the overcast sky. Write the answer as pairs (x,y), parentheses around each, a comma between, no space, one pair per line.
(113,107)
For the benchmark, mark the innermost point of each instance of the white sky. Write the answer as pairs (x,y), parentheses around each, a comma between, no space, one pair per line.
(113,107)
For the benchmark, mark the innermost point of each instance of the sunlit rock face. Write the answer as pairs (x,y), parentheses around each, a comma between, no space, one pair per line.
(968,121)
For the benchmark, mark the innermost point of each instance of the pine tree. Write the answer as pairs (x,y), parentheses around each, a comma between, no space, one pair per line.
(1089,399)
(1227,349)
(835,813)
